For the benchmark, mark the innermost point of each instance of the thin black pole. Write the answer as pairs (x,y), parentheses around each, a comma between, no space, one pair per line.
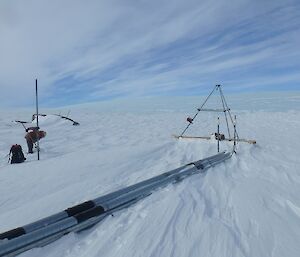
(218,135)
(237,135)
(37,119)
(224,110)
(234,137)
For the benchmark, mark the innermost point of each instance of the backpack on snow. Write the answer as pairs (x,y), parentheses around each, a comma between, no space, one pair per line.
(16,154)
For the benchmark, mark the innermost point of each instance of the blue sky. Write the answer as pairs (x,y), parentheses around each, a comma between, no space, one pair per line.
(84,51)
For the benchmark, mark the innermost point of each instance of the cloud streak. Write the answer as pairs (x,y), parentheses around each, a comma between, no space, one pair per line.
(89,50)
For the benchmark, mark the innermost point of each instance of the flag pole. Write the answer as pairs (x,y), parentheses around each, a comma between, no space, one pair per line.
(37,119)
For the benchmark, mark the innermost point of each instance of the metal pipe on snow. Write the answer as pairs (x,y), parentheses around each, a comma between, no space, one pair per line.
(9,246)
(205,164)
(88,213)
(114,203)
(90,204)
(147,189)
(79,208)
(38,237)
(139,185)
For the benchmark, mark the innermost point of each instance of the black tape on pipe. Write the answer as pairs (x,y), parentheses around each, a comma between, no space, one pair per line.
(80,208)
(89,214)
(12,233)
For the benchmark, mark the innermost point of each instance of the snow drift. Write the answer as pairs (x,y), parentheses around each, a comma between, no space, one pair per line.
(248,206)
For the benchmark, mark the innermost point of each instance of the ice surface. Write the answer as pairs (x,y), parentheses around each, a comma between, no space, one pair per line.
(247,206)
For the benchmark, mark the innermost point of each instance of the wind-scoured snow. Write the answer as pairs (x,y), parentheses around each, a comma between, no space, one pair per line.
(246,206)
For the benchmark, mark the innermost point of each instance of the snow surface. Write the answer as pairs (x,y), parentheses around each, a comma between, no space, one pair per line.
(247,206)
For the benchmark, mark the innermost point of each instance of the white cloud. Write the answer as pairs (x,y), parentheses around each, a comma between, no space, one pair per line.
(54,39)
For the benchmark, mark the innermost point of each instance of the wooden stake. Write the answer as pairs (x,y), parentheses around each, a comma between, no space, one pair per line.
(249,141)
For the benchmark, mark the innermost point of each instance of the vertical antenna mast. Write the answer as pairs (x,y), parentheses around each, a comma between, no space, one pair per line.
(37,119)
(218,135)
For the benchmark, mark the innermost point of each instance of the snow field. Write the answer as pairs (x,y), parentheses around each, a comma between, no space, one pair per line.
(247,206)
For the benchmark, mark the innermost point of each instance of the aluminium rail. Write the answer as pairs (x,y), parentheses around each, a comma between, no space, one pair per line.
(87,214)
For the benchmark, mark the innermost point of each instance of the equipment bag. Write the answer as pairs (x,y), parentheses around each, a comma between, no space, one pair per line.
(16,154)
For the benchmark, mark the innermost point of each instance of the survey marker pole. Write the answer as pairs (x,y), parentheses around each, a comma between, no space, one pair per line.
(234,134)
(218,136)
(37,119)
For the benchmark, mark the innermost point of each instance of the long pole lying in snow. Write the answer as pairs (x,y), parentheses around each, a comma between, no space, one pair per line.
(89,213)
